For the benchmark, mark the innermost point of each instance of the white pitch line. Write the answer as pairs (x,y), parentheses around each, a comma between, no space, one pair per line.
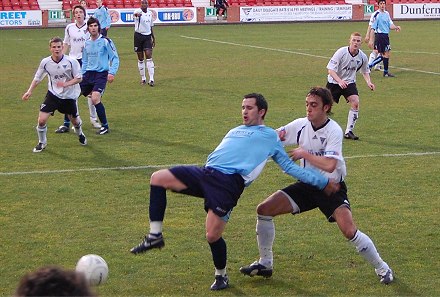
(255,46)
(173,165)
(292,52)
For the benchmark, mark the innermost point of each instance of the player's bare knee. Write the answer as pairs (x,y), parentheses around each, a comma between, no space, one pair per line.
(263,209)
(349,233)
(212,236)
(158,177)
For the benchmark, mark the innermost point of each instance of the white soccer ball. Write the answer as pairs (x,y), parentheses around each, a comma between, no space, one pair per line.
(94,267)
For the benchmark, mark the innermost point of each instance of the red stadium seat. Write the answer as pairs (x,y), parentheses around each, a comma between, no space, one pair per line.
(161,3)
(119,3)
(179,3)
(15,4)
(187,3)
(109,3)
(34,5)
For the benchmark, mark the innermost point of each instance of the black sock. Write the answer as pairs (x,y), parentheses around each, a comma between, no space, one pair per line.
(219,252)
(158,203)
(100,110)
(386,62)
(376,61)
(66,121)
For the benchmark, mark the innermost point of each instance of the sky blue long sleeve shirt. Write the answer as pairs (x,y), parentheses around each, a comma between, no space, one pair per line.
(100,55)
(246,149)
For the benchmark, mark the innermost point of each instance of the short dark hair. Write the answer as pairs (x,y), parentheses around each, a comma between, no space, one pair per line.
(80,7)
(53,281)
(93,20)
(324,94)
(378,1)
(259,100)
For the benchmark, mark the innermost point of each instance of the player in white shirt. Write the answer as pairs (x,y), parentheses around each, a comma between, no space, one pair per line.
(341,79)
(64,76)
(75,35)
(319,141)
(144,42)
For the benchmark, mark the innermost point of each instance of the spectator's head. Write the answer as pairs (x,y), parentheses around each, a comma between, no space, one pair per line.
(53,281)
(83,3)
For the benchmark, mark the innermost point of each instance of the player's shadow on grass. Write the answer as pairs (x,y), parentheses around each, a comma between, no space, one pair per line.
(267,287)
(402,289)
(97,154)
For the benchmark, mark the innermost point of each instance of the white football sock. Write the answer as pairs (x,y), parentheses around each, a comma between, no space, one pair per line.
(78,129)
(42,133)
(156,227)
(373,56)
(141,67)
(265,237)
(366,248)
(150,68)
(221,272)
(92,108)
(353,115)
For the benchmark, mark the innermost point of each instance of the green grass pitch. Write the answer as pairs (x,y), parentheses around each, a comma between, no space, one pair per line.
(71,200)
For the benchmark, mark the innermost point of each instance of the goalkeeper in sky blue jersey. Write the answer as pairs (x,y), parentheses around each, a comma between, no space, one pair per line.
(233,165)
(100,64)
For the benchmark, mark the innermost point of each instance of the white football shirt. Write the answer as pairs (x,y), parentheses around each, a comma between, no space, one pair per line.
(345,65)
(75,37)
(64,70)
(326,141)
(143,23)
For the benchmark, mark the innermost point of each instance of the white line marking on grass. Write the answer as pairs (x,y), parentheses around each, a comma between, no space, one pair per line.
(292,52)
(172,165)
(257,47)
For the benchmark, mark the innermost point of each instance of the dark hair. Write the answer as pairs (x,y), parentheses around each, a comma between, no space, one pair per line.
(324,94)
(80,7)
(93,20)
(259,100)
(378,1)
(53,281)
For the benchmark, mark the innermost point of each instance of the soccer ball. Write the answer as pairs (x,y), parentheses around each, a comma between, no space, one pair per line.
(94,267)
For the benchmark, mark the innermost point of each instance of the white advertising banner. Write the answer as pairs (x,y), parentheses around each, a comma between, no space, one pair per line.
(175,15)
(295,13)
(416,11)
(21,18)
